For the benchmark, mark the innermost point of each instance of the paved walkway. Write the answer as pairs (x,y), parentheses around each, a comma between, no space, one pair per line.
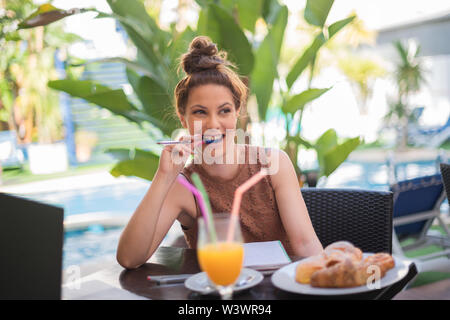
(86,180)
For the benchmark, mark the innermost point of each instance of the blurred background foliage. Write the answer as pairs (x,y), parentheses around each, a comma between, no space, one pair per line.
(27,105)
(252,32)
(409,76)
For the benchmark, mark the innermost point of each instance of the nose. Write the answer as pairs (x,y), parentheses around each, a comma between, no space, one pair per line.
(213,123)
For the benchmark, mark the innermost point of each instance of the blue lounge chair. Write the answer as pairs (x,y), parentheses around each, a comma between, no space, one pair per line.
(432,137)
(417,205)
(10,154)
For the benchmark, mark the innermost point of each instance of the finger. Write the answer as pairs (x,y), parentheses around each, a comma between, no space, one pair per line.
(182,150)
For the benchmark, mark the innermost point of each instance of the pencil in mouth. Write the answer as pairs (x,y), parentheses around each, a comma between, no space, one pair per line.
(212,138)
(205,140)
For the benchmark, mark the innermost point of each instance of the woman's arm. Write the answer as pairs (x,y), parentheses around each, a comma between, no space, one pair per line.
(293,212)
(157,211)
(149,223)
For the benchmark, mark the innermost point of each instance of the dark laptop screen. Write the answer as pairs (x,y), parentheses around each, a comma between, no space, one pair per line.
(31,241)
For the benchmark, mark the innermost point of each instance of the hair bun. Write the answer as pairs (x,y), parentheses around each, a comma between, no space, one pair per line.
(202,55)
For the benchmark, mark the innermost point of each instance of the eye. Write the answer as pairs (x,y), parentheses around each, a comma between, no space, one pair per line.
(225,110)
(198,112)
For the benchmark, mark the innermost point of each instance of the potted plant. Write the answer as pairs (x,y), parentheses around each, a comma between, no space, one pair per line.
(27,105)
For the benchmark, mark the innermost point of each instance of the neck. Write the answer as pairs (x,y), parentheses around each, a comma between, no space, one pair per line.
(229,164)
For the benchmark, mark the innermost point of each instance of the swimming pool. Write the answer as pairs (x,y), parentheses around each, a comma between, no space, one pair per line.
(96,241)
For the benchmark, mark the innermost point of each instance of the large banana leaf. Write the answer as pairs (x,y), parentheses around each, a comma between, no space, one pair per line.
(177,46)
(150,41)
(134,162)
(266,62)
(220,26)
(157,103)
(114,100)
(248,12)
(269,9)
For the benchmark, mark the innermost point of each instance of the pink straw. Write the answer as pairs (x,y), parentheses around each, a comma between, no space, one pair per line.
(197,194)
(238,198)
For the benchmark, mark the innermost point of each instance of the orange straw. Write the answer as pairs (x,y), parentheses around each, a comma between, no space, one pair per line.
(238,198)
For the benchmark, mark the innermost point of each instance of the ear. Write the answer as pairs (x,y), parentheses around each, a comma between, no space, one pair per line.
(183,121)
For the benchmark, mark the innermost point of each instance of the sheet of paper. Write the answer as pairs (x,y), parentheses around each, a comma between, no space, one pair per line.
(265,254)
(97,290)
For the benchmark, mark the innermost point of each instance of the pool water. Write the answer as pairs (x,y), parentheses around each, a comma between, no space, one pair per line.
(95,241)
(378,176)
(117,199)
(86,246)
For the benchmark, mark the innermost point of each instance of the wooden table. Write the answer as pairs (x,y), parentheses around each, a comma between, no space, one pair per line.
(118,283)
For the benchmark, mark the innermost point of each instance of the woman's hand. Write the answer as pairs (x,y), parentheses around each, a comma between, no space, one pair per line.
(173,157)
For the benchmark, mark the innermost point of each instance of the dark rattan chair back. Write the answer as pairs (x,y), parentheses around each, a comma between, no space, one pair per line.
(445,173)
(363,217)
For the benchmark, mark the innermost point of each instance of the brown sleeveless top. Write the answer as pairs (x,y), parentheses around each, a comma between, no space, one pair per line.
(259,216)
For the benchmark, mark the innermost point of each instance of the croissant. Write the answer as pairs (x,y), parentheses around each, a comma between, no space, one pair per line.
(345,247)
(307,267)
(383,260)
(340,265)
(340,275)
(349,273)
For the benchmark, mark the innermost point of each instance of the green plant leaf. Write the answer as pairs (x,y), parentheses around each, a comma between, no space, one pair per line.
(316,11)
(128,63)
(248,13)
(338,25)
(178,46)
(134,13)
(300,141)
(325,142)
(208,25)
(298,101)
(78,88)
(134,162)
(232,39)
(157,103)
(44,14)
(150,40)
(308,55)
(266,62)
(120,154)
(113,100)
(334,157)
(269,10)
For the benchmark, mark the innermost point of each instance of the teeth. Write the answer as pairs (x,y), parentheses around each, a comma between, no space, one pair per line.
(212,137)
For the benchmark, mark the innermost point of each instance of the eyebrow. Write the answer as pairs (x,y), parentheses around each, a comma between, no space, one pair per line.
(203,107)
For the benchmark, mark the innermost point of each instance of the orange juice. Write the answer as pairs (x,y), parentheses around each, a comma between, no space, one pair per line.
(222,261)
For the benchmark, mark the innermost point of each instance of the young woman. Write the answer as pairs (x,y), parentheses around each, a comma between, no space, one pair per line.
(208,102)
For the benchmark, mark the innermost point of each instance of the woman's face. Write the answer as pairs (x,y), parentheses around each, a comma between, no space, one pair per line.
(210,111)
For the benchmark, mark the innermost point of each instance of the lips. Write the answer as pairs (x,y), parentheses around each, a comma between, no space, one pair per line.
(213,138)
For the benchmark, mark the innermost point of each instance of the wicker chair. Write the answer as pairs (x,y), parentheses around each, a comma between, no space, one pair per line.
(445,173)
(362,217)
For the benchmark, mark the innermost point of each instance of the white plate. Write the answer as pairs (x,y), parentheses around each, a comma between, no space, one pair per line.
(199,282)
(284,279)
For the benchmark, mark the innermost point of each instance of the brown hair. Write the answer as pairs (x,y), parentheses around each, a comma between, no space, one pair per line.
(204,64)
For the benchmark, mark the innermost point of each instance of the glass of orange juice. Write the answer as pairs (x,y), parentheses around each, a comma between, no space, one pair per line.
(220,256)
